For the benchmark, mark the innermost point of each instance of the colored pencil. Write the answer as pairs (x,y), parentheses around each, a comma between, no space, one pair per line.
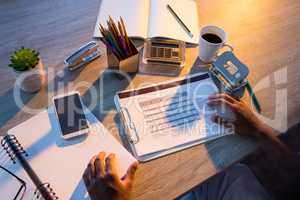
(116,39)
(126,36)
(123,40)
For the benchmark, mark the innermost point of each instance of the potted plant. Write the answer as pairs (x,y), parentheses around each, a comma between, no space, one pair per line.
(28,69)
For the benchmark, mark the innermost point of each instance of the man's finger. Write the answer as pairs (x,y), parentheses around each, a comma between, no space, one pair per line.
(111,171)
(88,185)
(224,96)
(219,120)
(91,166)
(130,174)
(220,101)
(86,177)
(100,164)
(111,164)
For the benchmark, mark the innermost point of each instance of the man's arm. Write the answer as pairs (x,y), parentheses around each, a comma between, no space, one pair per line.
(246,123)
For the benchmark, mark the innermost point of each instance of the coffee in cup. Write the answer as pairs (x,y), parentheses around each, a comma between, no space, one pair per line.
(212,38)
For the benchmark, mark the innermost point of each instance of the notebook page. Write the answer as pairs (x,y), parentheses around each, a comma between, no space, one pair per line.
(135,14)
(61,162)
(9,185)
(163,24)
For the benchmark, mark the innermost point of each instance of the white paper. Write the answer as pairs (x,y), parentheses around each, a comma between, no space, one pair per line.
(172,117)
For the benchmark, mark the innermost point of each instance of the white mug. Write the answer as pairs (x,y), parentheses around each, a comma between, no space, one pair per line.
(208,51)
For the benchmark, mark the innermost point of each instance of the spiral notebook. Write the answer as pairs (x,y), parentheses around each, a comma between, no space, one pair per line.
(35,152)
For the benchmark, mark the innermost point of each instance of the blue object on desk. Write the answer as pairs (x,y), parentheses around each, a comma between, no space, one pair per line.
(83,55)
(253,97)
(230,74)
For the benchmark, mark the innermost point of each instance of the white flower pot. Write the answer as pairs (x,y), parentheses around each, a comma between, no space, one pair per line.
(31,80)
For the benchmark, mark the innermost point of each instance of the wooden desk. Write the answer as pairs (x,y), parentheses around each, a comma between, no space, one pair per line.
(265,35)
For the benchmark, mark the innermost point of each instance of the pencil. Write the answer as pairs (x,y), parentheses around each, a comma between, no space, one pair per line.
(130,45)
(109,41)
(111,47)
(116,39)
(114,26)
(123,39)
(180,21)
(126,37)
(253,97)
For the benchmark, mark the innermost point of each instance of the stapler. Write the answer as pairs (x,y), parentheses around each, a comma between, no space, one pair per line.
(83,55)
(230,74)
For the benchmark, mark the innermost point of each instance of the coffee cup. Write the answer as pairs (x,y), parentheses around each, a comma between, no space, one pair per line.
(212,39)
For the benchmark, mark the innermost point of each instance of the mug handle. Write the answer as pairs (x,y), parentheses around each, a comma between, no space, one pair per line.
(228,45)
(224,45)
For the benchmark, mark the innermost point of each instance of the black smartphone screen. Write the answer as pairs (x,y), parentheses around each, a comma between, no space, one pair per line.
(70,114)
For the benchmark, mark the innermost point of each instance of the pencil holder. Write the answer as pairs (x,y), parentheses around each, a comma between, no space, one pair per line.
(129,65)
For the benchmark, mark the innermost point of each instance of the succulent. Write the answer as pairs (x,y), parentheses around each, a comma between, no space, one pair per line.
(24,59)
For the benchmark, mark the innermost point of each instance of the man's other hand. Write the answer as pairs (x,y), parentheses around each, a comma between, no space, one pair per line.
(102,180)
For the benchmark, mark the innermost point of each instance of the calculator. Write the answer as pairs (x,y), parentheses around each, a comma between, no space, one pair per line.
(164,52)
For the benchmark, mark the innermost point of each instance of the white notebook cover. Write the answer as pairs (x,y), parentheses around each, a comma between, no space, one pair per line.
(57,161)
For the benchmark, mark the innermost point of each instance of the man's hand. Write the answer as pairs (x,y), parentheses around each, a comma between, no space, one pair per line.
(246,122)
(103,182)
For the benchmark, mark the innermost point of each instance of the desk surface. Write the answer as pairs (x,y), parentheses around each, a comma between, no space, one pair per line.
(265,35)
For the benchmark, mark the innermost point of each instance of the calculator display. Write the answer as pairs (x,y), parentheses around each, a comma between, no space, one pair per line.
(164,52)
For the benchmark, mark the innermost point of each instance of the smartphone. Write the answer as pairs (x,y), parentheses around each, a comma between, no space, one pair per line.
(70,115)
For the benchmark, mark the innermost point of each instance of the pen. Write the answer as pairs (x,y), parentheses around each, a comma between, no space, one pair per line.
(180,21)
(253,97)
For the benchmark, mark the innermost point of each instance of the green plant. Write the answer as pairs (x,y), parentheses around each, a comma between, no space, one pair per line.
(24,59)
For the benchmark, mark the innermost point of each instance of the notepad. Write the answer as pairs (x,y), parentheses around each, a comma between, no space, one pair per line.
(151,18)
(60,162)
(169,116)
(13,189)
